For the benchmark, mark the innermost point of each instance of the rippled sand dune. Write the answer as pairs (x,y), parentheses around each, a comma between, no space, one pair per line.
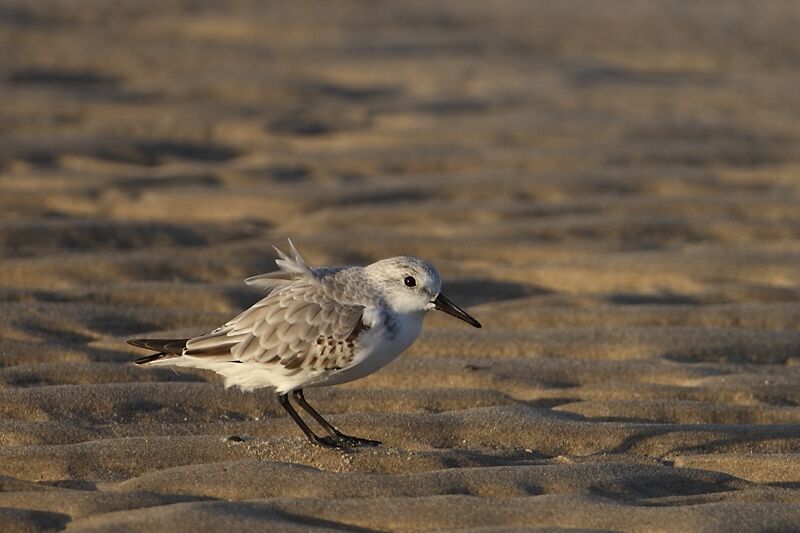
(612,188)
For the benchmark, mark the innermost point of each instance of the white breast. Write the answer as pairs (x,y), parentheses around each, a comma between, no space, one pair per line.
(382,346)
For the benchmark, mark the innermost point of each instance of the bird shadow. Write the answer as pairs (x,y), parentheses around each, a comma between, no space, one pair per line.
(623,298)
(469,292)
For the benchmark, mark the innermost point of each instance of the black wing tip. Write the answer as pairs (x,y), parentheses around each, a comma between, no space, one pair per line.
(169,346)
(139,343)
(166,348)
(150,358)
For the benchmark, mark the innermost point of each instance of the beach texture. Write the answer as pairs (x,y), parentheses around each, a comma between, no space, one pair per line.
(611,188)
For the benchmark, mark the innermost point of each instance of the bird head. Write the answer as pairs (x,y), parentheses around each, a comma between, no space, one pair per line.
(411,285)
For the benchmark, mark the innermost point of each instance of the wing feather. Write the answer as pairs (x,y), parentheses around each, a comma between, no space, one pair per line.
(296,326)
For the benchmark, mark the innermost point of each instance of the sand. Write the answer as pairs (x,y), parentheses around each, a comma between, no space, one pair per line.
(612,188)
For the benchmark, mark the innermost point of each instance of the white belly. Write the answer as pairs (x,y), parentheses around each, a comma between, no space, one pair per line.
(380,352)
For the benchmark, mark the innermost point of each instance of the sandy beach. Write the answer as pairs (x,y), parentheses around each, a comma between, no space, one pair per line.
(611,188)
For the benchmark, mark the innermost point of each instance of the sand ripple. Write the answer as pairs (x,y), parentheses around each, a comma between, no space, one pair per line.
(611,189)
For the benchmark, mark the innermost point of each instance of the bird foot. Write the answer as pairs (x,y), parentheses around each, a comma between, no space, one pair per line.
(328,442)
(343,441)
(356,441)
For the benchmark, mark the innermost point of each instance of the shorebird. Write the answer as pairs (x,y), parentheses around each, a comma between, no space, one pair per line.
(316,327)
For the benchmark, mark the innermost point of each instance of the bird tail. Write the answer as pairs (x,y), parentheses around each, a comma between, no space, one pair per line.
(166,348)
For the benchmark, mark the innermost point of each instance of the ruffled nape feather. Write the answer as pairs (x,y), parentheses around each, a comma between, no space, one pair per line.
(291,267)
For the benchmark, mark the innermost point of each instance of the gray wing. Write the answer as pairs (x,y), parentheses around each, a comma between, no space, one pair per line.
(296,326)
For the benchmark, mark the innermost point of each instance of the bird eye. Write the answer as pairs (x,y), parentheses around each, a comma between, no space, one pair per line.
(410,281)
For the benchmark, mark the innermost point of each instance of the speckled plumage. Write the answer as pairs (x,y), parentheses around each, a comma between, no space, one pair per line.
(315,326)
(312,325)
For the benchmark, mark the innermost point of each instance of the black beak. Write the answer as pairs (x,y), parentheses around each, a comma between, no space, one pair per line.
(443,304)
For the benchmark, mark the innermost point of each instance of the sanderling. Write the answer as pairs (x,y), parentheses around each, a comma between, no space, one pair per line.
(316,327)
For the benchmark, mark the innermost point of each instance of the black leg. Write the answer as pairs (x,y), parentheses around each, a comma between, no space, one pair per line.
(300,398)
(329,442)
